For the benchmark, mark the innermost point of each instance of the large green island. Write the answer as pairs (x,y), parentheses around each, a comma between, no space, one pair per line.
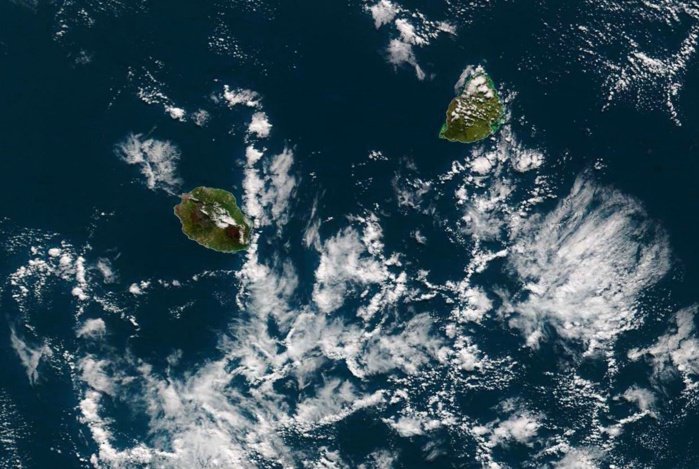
(211,218)
(476,113)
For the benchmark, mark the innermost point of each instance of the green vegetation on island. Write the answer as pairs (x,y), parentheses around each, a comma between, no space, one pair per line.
(476,113)
(211,218)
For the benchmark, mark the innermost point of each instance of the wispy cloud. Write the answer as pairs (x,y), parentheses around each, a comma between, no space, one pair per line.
(677,351)
(29,356)
(343,264)
(157,160)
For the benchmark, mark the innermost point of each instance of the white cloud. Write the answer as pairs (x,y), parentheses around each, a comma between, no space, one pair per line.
(578,459)
(343,264)
(468,359)
(139,288)
(508,147)
(409,350)
(157,160)
(92,328)
(412,28)
(280,370)
(643,398)
(383,12)
(474,304)
(94,374)
(407,32)
(105,267)
(651,81)
(201,117)
(468,72)
(328,460)
(412,426)
(377,155)
(331,402)
(29,356)
(177,113)
(677,350)
(240,96)
(525,159)
(400,53)
(259,125)
(481,165)
(521,428)
(583,266)
(282,184)
(268,186)
(79,293)
(381,459)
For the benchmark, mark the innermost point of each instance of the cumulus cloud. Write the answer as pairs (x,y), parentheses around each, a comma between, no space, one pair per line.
(383,12)
(92,328)
(157,160)
(583,266)
(95,374)
(521,157)
(177,113)
(241,96)
(259,125)
(520,428)
(412,426)
(525,159)
(332,402)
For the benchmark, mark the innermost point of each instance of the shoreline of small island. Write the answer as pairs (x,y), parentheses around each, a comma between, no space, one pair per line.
(476,113)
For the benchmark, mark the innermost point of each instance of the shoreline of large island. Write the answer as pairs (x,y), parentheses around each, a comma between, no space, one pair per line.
(211,218)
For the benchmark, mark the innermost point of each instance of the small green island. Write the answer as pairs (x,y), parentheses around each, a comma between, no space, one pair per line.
(476,113)
(211,218)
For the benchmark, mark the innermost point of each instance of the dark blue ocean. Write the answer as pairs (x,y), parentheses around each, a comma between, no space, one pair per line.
(332,97)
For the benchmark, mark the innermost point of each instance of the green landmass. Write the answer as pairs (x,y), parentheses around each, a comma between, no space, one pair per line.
(211,218)
(476,113)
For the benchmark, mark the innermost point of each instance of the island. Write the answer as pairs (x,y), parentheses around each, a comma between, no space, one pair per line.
(211,218)
(476,113)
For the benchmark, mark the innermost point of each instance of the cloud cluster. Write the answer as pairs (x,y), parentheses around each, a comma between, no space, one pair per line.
(583,266)
(343,264)
(157,160)
(411,29)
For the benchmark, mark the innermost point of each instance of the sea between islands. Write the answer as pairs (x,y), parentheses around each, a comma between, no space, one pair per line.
(212,218)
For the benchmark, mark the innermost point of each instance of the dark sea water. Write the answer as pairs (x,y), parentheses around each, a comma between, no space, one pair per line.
(332,98)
